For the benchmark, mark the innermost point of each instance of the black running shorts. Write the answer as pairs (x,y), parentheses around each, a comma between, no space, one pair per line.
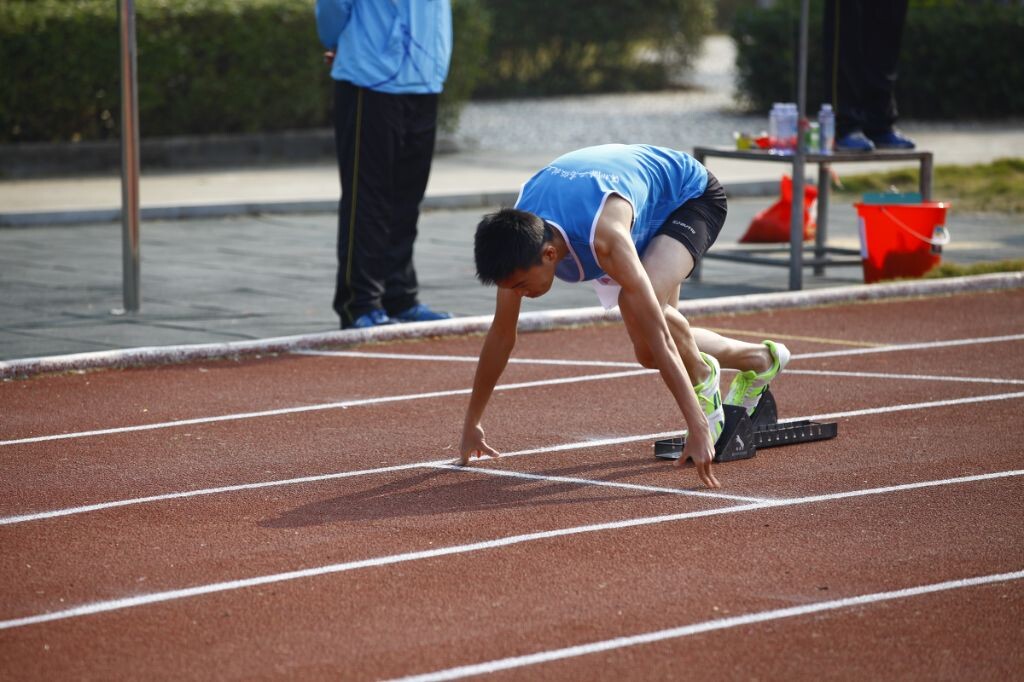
(696,223)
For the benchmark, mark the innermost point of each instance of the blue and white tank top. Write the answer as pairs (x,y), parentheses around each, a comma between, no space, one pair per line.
(571,191)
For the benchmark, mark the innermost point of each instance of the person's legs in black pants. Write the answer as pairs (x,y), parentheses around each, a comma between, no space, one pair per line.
(412,170)
(367,130)
(884,21)
(861,47)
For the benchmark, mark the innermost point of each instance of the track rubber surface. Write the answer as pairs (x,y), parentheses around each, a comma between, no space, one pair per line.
(305,524)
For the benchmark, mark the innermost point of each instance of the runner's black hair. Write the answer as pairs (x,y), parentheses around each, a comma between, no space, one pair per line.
(506,241)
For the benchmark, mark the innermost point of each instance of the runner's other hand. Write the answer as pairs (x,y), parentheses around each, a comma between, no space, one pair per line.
(473,444)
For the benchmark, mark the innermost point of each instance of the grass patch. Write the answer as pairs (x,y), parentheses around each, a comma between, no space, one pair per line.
(946,270)
(996,187)
(953,270)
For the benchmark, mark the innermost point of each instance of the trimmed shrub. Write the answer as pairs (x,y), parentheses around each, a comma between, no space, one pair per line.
(540,47)
(957,59)
(204,66)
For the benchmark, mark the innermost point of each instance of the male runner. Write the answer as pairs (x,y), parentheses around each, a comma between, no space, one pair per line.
(635,220)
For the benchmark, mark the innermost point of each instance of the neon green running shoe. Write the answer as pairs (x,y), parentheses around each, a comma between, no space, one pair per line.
(747,387)
(709,396)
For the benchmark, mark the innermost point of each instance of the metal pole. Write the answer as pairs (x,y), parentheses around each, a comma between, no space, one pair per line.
(129,158)
(796,226)
(821,237)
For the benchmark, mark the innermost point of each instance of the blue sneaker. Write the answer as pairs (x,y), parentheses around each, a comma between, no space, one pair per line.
(891,139)
(374,318)
(854,142)
(420,313)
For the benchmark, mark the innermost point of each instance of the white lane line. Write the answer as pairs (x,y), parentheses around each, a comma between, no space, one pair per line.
(621,440)
(605,484)
(707,626)
(322,406)
(68,511)
(602,363)
(875,348)
(909,346)
(888,348)
(461,358)
(917,377)
(100,506)
(227,586)
(465,391)
(913,406)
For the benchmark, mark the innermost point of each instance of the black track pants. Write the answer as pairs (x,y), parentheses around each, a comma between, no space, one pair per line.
(862,47)
(385,144)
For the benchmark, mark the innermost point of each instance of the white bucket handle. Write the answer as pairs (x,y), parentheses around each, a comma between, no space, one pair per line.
(940,235)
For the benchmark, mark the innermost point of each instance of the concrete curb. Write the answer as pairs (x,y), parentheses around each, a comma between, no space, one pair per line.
(87,216)
(197,211)
(538,321)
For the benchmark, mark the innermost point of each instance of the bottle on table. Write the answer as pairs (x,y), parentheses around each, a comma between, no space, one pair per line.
(826,128)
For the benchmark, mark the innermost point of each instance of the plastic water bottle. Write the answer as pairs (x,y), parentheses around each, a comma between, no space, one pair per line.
(827,128)
(773,127)
(780,127)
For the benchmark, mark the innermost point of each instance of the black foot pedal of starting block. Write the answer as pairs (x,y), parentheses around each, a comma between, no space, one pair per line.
(743,434)
(767,411)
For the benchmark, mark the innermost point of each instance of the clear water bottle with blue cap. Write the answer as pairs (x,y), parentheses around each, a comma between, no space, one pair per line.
(826,128)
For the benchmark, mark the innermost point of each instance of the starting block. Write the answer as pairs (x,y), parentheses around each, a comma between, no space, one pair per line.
(744,434)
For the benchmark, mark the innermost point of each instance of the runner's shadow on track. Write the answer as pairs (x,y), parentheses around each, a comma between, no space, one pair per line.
(445,491)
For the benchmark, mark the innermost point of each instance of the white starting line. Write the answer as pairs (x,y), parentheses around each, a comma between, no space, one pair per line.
(548,478)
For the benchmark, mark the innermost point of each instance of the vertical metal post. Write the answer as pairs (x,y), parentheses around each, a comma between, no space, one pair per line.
(821,236)
(796,227)
(925,178)
(129,158)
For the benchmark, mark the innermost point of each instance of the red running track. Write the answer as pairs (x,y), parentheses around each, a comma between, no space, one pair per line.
(293,516)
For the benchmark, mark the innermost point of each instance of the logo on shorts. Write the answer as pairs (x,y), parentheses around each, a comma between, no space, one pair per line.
(680,223)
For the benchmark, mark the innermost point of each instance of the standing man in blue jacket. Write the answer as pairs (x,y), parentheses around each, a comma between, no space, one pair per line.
(389,60)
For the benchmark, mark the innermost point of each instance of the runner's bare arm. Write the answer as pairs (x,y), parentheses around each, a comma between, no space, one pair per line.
(501,339)
(617,256)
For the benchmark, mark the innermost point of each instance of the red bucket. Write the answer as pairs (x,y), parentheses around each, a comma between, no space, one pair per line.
(901,240)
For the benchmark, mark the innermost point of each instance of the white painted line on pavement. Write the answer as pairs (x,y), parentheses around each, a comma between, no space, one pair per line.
(464,391)
(706,626)
(912,406)
(606,484)
(227,586)
(345,404)
(68,511)
(909,346)
(914,377)
(461,358)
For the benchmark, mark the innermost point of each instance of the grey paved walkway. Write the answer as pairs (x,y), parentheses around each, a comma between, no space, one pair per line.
(257,277)
(264,275)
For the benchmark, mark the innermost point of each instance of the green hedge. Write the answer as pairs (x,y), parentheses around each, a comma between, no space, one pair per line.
(204,66)
(957,59)
(541,47)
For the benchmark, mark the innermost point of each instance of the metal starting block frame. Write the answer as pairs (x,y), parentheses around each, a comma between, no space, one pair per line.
(744,434)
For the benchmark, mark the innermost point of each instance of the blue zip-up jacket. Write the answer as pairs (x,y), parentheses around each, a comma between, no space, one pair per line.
(393,46)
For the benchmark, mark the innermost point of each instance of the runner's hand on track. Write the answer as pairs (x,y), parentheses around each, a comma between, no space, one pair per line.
(473,444)
(701,450)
